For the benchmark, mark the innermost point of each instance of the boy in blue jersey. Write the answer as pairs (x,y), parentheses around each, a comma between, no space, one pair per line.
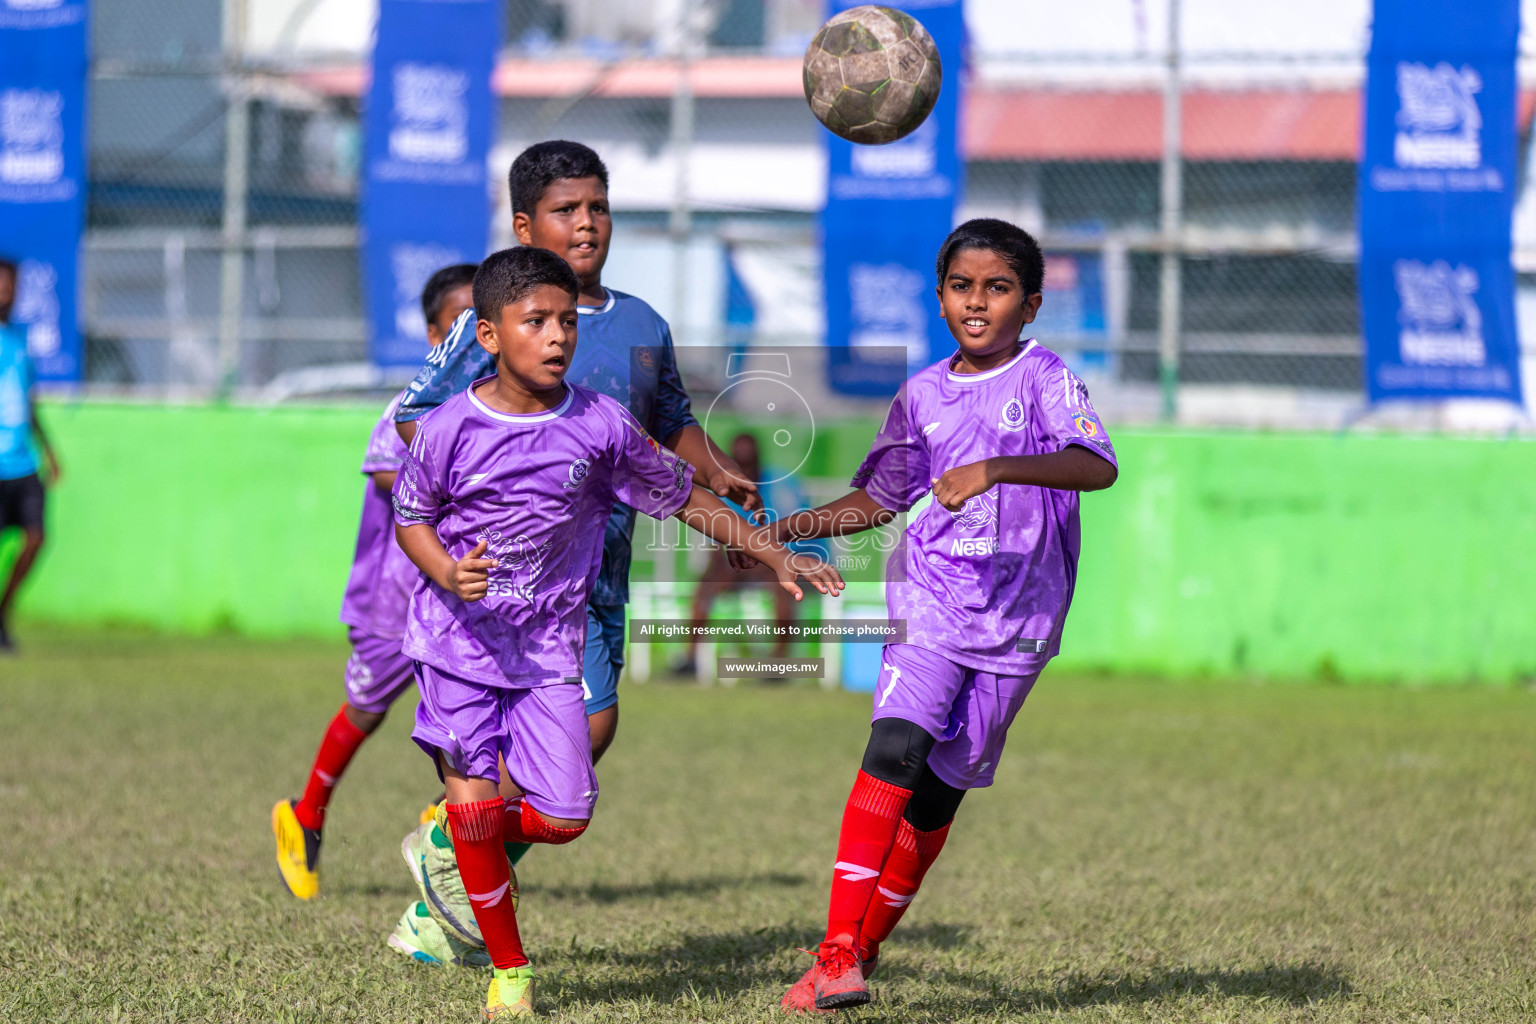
(21,435)
(560,203)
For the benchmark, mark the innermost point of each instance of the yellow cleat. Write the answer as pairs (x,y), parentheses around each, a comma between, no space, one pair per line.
(428,814)
(511,994)
(298,852)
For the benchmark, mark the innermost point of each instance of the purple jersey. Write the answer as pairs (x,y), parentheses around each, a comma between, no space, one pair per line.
(988,586)
(379,588)
(538,489)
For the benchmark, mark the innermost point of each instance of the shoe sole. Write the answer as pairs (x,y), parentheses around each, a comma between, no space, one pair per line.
(420,956)
(277,834)
(842,1000)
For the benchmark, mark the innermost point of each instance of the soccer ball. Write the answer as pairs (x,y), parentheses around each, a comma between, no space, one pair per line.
(872,74)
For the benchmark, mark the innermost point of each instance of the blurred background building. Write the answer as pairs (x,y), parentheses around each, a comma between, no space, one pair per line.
(1062,132)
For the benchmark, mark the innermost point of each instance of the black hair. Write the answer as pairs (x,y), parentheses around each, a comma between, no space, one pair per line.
(9,265)
(435,292)
(544,163)
(508,275)
(1016,246)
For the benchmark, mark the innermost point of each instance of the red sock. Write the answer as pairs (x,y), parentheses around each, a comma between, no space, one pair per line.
(869,830)
(487,878)
(523,824)
(341,741)
(910,859)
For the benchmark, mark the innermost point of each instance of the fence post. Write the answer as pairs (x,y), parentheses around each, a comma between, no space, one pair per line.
(1169,285)
(237,132)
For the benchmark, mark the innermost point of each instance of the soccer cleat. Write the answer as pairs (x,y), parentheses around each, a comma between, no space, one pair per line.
(428,853)
(801,997)
(837,978)
(869,959)
(511,994)
(421,938)
(298,852)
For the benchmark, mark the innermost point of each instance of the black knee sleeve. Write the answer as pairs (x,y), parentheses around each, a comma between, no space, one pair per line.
(933,804)
(897,752)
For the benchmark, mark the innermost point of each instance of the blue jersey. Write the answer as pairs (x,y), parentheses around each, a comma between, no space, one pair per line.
(623,350)
(17,457)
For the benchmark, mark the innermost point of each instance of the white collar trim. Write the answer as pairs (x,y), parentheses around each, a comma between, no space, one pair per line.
(520,419)
(977,378)
(594,310)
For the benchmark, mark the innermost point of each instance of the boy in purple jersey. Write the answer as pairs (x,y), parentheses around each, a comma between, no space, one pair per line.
(501,503)
(1003,434)
(373,608)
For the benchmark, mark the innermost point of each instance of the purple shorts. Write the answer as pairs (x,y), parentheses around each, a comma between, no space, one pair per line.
(540,732)
(966,709)
(377,673)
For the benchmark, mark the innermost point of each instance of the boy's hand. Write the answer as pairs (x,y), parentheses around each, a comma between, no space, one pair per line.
(467,578)
(817,572)
(959,485)
(728,481)
(740,560)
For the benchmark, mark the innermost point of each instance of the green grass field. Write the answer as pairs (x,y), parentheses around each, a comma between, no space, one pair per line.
(1151,852)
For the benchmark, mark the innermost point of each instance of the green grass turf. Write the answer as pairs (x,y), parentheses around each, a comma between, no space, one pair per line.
(1151,852)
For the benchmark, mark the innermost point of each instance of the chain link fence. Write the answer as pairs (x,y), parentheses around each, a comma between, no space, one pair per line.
(1071,150)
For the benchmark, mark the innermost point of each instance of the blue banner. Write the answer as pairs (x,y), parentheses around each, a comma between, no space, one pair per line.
(42,172)
(1437,187)
(428,127)
(888,209)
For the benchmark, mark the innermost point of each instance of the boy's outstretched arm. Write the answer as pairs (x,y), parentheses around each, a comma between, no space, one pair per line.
(713,468)
(854,512)
(465,577)
(707,514)
(1074,468)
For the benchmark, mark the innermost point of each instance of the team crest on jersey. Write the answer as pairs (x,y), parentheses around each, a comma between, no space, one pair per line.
(1087,423)
(577,473)
(1012,416)
(645,358)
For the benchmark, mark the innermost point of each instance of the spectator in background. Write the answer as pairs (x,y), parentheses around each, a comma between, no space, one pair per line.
(781,496)
(21,435)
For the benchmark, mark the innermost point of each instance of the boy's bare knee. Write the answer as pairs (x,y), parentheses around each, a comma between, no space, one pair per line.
(33,539)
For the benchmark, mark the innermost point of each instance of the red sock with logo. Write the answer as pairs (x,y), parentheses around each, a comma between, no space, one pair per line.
(523,824)
(910,859)
(487,877)
(341,741)
(869,831)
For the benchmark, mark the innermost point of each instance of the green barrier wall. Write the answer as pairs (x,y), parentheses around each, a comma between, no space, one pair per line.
(1276,555)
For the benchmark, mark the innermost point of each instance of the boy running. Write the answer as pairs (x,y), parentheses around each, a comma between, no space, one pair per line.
(1005,437)
(21,434)
(559,194)
(500,503)
(378,590)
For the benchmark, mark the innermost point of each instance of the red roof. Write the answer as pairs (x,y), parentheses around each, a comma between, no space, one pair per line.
(1218,124)
(1000,123)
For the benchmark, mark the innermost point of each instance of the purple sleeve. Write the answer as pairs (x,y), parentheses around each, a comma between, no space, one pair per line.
(420,490)
(385,449)
(1064,416)
(895,472)
(646,476)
